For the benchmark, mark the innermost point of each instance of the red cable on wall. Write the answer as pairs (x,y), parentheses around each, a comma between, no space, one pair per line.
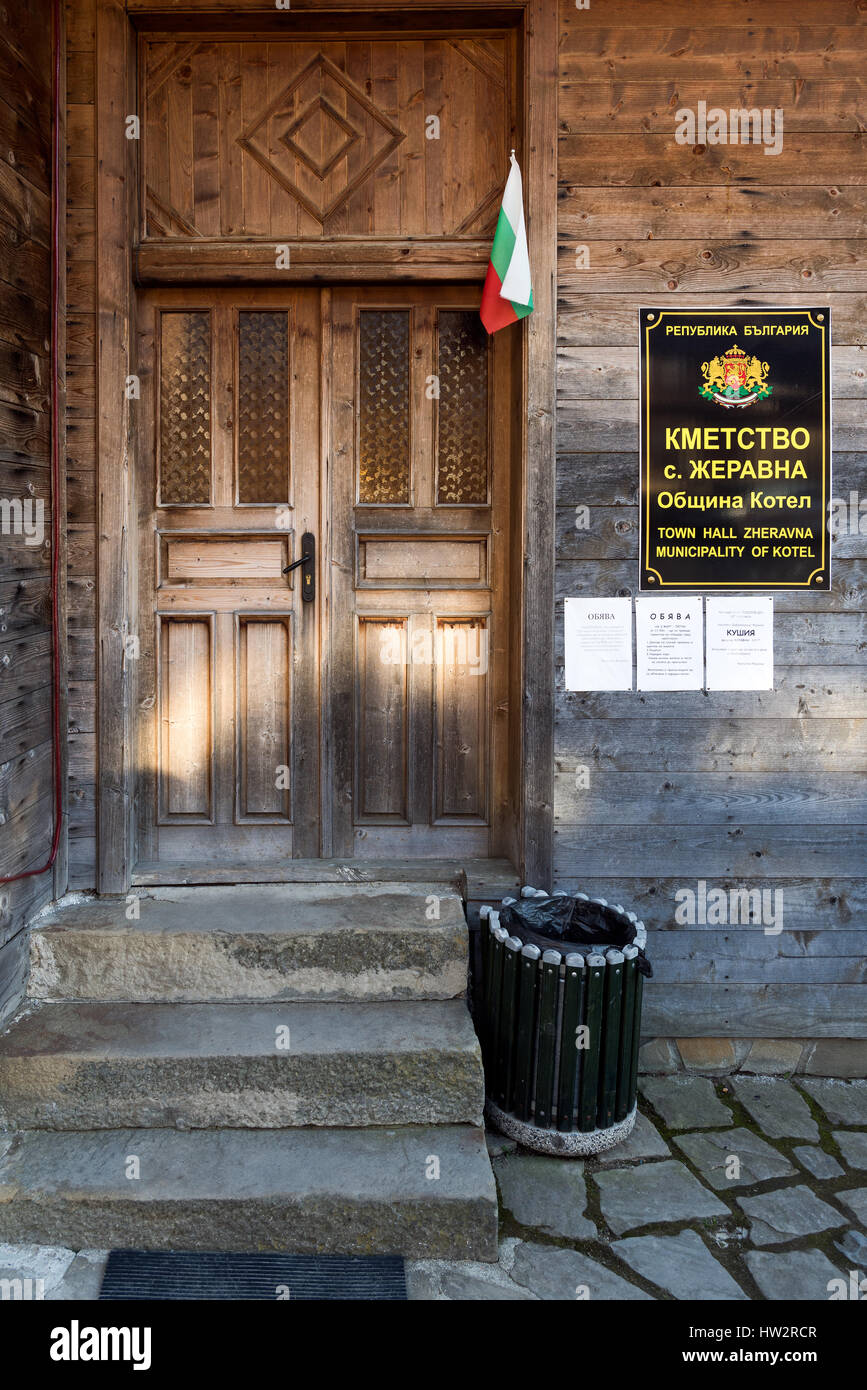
(56,154)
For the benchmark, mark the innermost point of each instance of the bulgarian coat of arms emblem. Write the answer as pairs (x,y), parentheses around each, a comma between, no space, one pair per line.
(734,379)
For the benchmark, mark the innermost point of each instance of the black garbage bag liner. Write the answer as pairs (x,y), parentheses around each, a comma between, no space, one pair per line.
(560,921)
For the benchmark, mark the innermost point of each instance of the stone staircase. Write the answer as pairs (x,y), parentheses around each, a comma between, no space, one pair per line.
(248,1068)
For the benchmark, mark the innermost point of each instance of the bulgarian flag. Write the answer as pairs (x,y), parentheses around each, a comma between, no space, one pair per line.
(508,292)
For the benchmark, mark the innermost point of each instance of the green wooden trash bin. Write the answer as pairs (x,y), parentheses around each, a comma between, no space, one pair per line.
(559,1020)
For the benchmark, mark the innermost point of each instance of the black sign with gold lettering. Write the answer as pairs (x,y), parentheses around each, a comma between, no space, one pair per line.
(735,448)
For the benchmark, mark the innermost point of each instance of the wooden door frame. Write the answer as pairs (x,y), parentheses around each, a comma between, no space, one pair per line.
(116,223)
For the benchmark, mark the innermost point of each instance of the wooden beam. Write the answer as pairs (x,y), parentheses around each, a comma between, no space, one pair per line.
(114,736)
(539,489)
(254,12)
(176,262)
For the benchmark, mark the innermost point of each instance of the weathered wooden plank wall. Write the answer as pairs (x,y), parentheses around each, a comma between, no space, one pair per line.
(26,820)
(81,436)
(765,790)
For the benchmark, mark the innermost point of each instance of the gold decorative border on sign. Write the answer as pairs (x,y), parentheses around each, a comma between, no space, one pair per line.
(645,492)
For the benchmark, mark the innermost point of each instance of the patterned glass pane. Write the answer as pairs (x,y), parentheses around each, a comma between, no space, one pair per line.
(263,407)
(462,368)
(383,406)
(185,408)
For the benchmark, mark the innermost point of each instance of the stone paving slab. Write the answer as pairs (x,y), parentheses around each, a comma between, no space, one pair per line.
(681,1264)
(658,1055)
(711,1153)
(797,1275)
(439,1280)
(853,1245)
(645,1141)
(52,1272)
(787,1212)
(547,1193)
(773,1056)
(464,1286)
(853,1147)
(552,1273)
(780,1111)
(499,1144)
(633,1197)
(43,1265)
(686,1102)
(817,1162)
(83,1278)
(854,1199)
(844,1102)
(836,1057)
(714,1056)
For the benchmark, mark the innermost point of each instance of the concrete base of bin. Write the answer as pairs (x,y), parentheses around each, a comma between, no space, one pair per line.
(577,1144)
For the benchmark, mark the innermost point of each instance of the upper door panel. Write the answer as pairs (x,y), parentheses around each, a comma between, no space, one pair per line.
(365,138)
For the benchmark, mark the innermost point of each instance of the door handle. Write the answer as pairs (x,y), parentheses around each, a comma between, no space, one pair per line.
(308,560)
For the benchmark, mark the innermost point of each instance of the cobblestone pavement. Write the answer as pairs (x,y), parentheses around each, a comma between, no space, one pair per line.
(737,1188)
(745,1187)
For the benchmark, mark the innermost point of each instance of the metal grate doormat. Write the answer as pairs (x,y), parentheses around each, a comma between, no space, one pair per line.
(178,1274)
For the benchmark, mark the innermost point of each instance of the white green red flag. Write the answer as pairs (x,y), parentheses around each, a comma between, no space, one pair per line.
(508,292)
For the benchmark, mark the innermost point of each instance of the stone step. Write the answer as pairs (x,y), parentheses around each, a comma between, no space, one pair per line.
(424,1193)
(113,1066)
(253,942)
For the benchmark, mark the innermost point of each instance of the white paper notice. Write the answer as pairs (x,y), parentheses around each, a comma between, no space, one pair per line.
(598,643)
(669,636)
(740,643)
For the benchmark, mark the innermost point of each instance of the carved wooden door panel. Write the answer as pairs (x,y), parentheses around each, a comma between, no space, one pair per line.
(420,417)
(228,650)
(354,136)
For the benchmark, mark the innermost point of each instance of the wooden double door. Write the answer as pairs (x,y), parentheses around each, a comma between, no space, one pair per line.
(357,704)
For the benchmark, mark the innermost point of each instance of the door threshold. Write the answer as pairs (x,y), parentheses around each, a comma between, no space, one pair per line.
(472,878)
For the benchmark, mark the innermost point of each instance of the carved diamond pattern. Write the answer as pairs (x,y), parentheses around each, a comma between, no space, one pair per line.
(319,129)
(362,123)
